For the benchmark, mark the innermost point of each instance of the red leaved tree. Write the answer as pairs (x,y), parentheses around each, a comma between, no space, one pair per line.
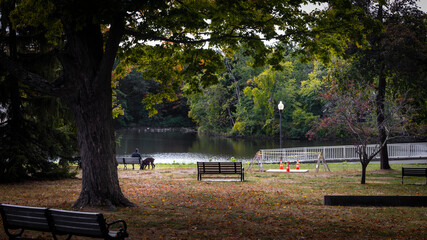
(351,109)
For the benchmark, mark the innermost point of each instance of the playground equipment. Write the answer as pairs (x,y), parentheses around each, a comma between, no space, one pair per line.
(260,157)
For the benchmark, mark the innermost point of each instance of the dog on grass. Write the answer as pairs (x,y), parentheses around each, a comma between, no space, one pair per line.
(146,163)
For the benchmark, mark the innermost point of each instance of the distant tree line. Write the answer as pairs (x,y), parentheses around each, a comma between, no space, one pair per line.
(130,93)
(244,102)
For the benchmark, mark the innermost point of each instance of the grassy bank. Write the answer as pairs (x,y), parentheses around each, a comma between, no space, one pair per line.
(172,204)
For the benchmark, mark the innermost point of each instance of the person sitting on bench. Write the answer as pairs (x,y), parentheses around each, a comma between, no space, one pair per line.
(136,154)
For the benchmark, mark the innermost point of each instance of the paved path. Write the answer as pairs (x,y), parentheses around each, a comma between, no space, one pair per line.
(402,161)
(409,161)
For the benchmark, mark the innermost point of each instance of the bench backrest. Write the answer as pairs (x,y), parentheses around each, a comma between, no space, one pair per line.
(414,171)
(128,160)
(31,218)
(78,223)
(220,167)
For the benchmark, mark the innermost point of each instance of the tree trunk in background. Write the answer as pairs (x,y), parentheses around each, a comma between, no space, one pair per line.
(363,179)
(380,99)
(13,170)
(382,134)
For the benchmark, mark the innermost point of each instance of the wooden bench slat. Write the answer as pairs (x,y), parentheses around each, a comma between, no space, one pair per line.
(222,167)
(131,161)
(18,210)
(71,214)
(76,223)
(28,224)
(82,231)
(35,215)
(21,218)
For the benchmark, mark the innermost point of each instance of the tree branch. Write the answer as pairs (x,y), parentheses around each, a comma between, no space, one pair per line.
(54,88)
(112,45)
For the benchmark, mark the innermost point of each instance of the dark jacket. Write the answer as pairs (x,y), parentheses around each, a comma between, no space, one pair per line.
(136,154)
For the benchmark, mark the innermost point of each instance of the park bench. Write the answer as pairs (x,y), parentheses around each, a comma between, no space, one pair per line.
(417,172)
(129,160)
(84,224)
(21,218)
(58,222)
(220,168)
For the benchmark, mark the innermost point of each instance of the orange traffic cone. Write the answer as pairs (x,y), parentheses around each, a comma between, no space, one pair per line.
(297,168)
(287,167)
(281,164)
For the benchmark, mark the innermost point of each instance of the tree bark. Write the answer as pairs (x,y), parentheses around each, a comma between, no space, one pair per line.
(363,179)
(382,133)
(100,184)
(87,66)
(363,157)
(15,119)
(380,99)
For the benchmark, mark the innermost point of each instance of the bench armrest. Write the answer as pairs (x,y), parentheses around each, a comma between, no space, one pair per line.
(123,229)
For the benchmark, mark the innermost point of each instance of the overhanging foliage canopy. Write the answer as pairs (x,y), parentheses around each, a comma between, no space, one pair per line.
(85,37)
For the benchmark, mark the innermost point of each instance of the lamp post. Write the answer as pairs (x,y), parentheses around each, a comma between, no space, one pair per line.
(280,106)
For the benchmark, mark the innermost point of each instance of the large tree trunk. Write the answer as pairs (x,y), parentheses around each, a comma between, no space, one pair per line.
(382,134)
(100,184)
(87,66)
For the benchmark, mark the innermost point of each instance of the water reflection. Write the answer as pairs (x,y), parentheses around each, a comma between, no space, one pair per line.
(186,146)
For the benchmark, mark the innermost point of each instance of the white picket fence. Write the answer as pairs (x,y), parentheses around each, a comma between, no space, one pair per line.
(341,153)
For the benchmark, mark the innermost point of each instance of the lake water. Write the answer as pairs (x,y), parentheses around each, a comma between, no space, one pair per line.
(187,146)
